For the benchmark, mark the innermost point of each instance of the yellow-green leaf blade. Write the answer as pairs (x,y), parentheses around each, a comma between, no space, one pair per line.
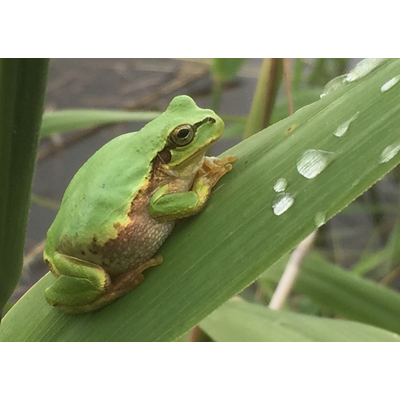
(69,120)
(345,293)
(239,321)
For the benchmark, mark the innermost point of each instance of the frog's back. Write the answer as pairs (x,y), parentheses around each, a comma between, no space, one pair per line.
(100,193)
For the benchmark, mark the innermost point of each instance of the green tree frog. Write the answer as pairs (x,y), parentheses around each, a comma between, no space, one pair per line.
(123,203)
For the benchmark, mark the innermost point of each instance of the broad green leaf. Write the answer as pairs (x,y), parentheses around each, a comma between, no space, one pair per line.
(239,321)
(69,120)
(216,254)
(344,293)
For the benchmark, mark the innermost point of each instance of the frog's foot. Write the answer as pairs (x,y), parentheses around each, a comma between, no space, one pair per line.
(127,281)
(120,285)
(213,169)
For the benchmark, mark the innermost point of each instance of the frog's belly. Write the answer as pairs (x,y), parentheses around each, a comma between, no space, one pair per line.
(135,244)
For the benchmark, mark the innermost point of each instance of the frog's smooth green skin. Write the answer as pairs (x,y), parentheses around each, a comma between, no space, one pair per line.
(123,202)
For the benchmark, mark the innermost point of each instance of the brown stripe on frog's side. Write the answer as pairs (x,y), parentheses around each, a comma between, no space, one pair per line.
(137,241)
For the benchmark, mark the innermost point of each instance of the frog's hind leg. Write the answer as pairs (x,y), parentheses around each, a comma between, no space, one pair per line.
(78,281)
(121,285)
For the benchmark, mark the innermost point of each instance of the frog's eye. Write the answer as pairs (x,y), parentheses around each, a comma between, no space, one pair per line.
(182,135)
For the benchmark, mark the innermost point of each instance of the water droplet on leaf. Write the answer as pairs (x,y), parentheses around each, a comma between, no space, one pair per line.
(342,129)
(389,152)
(363,68)
(332,85)
(312,162)
(280,185)
(319,219)
(282,202)
(389,84)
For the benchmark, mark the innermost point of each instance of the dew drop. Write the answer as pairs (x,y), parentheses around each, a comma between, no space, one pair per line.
(280,185)
(342,129)
(282,202)
(389,84)
(332,85)
(312,162)
(319,219)
(363,68)
(389,152)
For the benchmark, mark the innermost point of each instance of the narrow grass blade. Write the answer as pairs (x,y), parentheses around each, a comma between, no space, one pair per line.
(69,120)
(22,92)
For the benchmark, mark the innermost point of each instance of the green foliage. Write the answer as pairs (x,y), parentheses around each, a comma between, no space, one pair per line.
(343,293)
(395,243)
(225,69)
(265,96)
(68,120)
(22,91)
(239,321)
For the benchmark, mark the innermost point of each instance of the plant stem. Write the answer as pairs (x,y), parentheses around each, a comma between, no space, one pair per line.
(291,273)
(264,96)
(287,76)
(22,94)
(298,70)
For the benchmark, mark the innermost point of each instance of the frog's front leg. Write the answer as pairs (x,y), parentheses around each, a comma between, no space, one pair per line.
(166,206)
(84,287)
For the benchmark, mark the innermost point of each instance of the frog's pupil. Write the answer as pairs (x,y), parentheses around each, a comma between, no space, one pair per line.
(183,133)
